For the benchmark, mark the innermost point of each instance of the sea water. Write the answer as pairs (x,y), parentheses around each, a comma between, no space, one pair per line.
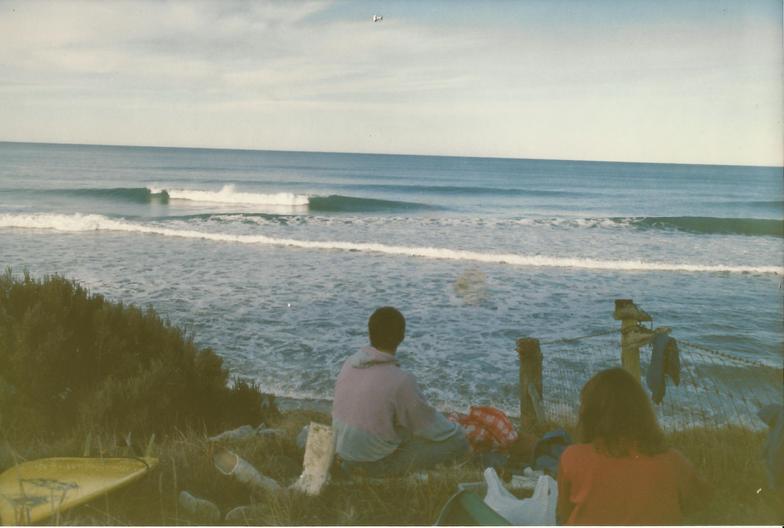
(276,259)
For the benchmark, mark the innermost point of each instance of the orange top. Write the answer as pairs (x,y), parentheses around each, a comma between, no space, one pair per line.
(630,490)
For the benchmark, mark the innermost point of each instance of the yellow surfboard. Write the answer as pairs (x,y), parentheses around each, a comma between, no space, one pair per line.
(35,490)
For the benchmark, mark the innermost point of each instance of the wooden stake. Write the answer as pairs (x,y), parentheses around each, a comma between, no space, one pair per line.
(630,354)
(633,336)
(531,408)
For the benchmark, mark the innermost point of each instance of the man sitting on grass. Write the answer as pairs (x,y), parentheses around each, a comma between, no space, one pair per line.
(383,425)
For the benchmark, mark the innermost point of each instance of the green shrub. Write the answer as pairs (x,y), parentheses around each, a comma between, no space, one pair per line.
(71,360)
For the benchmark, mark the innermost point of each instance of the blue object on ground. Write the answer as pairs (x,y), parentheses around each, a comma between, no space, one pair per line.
(773,452)
(665,360)
(547,451)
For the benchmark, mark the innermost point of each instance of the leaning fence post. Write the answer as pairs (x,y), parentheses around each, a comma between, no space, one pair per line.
(633,336)
(531,408)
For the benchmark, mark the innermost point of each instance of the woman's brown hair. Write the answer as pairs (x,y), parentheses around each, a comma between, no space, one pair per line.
(616,415)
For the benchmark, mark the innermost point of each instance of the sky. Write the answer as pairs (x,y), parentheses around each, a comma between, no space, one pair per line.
(653,81)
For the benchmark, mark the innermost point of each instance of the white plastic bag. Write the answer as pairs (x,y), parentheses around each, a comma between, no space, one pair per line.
(539,510)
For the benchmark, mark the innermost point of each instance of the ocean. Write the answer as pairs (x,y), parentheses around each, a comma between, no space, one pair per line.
(276,259)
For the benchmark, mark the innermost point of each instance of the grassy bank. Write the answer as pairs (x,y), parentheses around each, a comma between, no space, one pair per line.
(728,458)
(72,362)
(78,373)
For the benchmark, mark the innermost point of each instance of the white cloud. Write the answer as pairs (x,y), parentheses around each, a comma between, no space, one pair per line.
(321,79)
(221,47)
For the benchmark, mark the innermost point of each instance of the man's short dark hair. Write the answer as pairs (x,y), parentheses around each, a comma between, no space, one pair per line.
(387,328)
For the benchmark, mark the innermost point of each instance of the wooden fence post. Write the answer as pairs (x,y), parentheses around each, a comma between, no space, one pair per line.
(531,408)
(633,336)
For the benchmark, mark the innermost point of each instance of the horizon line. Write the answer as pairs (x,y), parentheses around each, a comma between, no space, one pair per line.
(388,154)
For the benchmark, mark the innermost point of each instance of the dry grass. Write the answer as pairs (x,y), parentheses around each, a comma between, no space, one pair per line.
(728,458)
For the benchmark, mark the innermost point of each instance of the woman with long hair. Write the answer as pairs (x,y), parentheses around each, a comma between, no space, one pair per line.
(622,471)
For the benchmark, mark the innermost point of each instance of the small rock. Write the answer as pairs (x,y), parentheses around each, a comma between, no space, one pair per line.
(268,431)
(244,431)
(199,509)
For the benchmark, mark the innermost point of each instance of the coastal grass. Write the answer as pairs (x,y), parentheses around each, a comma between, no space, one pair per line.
(83,376)
(728,457)
(72,361)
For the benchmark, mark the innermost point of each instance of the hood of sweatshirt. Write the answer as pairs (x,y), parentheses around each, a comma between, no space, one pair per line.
(370,357)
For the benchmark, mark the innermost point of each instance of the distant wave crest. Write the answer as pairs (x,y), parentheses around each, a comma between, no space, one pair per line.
(332,203)
(126,194)
(78,222)
(712,226)
(701,225)
(773,205)
(351,204)
(229,195)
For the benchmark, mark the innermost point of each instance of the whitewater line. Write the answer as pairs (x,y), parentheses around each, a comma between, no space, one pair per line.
(80,223)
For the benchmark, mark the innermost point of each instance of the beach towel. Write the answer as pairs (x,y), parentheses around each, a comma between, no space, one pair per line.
(487,428)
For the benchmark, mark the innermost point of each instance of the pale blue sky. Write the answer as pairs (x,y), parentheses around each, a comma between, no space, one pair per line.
(661,81)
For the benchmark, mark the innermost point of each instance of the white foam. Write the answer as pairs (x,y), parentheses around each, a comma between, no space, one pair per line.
(574,223)
(228,195)
(92,222)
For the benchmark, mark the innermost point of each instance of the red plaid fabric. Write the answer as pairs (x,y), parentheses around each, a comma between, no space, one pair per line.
(487,428)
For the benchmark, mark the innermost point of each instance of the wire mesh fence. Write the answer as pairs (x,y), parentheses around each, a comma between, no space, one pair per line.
(716,388)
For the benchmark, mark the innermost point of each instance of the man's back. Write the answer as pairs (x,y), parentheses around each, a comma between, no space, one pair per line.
(378,405)
(382,422)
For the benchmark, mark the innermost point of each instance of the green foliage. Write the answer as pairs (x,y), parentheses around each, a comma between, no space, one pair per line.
(71,360)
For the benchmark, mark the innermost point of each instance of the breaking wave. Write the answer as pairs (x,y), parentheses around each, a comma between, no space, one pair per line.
(229,195)
(78,223)
(331,203)
(711,226)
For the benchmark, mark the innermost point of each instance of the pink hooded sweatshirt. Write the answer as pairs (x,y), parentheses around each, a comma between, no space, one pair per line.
(378,405)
